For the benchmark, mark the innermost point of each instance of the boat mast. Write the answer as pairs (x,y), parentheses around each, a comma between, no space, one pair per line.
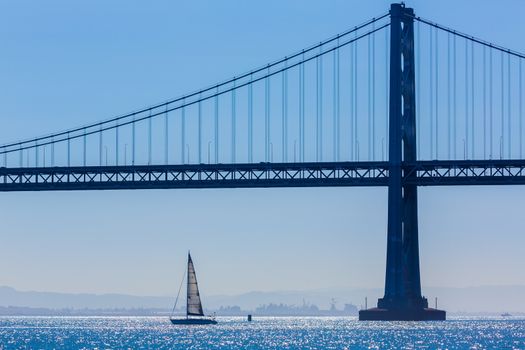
(188,285)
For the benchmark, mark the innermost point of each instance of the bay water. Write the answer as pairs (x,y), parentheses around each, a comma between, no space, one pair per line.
(261,333)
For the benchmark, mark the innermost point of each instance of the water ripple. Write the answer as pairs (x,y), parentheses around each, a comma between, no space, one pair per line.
(263,333)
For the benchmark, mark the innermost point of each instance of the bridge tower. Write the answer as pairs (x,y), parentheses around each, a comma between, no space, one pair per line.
(403,299)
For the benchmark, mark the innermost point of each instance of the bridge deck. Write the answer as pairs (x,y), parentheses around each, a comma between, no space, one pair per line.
(422,173)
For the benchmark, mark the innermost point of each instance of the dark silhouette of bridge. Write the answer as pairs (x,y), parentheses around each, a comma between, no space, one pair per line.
(382,104)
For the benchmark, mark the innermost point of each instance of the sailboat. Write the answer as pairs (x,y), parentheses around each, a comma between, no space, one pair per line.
(194,311)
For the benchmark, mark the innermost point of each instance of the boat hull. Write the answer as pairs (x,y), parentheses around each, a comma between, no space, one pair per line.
(192,321)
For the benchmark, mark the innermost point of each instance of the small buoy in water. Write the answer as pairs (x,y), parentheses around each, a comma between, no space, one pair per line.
(249,318)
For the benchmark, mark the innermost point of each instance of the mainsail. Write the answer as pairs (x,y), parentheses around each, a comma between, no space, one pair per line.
(194,305)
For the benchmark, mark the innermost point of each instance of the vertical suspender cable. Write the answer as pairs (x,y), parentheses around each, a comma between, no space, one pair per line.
(199,127)
(304,111)
(437,96)
(369,96)
(338,109)
(268,120)
(449,155)
(351,99)
(320,106)
(334,108)
(491,124)
(285,131)
(100,146)
(431,103)
(52,153)
(183,132)
(166,135)
(283,113)
(484,102)
(234,122)
(84,137)
(250,120)
(217,125)
(356,141)
(387,64)
(509,112)
(133,141)
(68,152)
(454,94)
(466,140)
(317,109)
(338,104)
(373,91)
(301,121)
(448,96)
(472,125)
(149,138)
(502,138)
(266,117)
(520,96)
(418,87)
(116,143)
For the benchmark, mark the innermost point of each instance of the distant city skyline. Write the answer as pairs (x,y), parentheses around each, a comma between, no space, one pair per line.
(473,300)
(66,64)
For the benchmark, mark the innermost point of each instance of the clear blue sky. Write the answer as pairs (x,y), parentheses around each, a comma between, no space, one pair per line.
(66,63)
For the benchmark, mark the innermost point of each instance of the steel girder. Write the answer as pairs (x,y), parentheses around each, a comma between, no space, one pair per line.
(467,172)
(194,176)
(420,173)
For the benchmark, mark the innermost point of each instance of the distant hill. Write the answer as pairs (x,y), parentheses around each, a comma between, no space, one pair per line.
(482,299)
(12,297)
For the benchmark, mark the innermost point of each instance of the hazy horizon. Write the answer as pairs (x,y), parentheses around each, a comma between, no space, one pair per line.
(328,288)
(467,300)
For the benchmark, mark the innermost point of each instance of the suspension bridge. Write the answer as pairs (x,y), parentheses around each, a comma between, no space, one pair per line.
(398,101)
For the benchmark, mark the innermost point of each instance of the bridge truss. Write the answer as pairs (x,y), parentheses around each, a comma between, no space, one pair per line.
(329,174)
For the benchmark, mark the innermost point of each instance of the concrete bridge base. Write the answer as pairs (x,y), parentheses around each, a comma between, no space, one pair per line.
(426,314)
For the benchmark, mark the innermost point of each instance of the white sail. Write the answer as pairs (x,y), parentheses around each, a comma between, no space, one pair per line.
(194,305)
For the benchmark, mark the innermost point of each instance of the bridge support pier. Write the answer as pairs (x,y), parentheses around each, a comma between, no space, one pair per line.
(403,299)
